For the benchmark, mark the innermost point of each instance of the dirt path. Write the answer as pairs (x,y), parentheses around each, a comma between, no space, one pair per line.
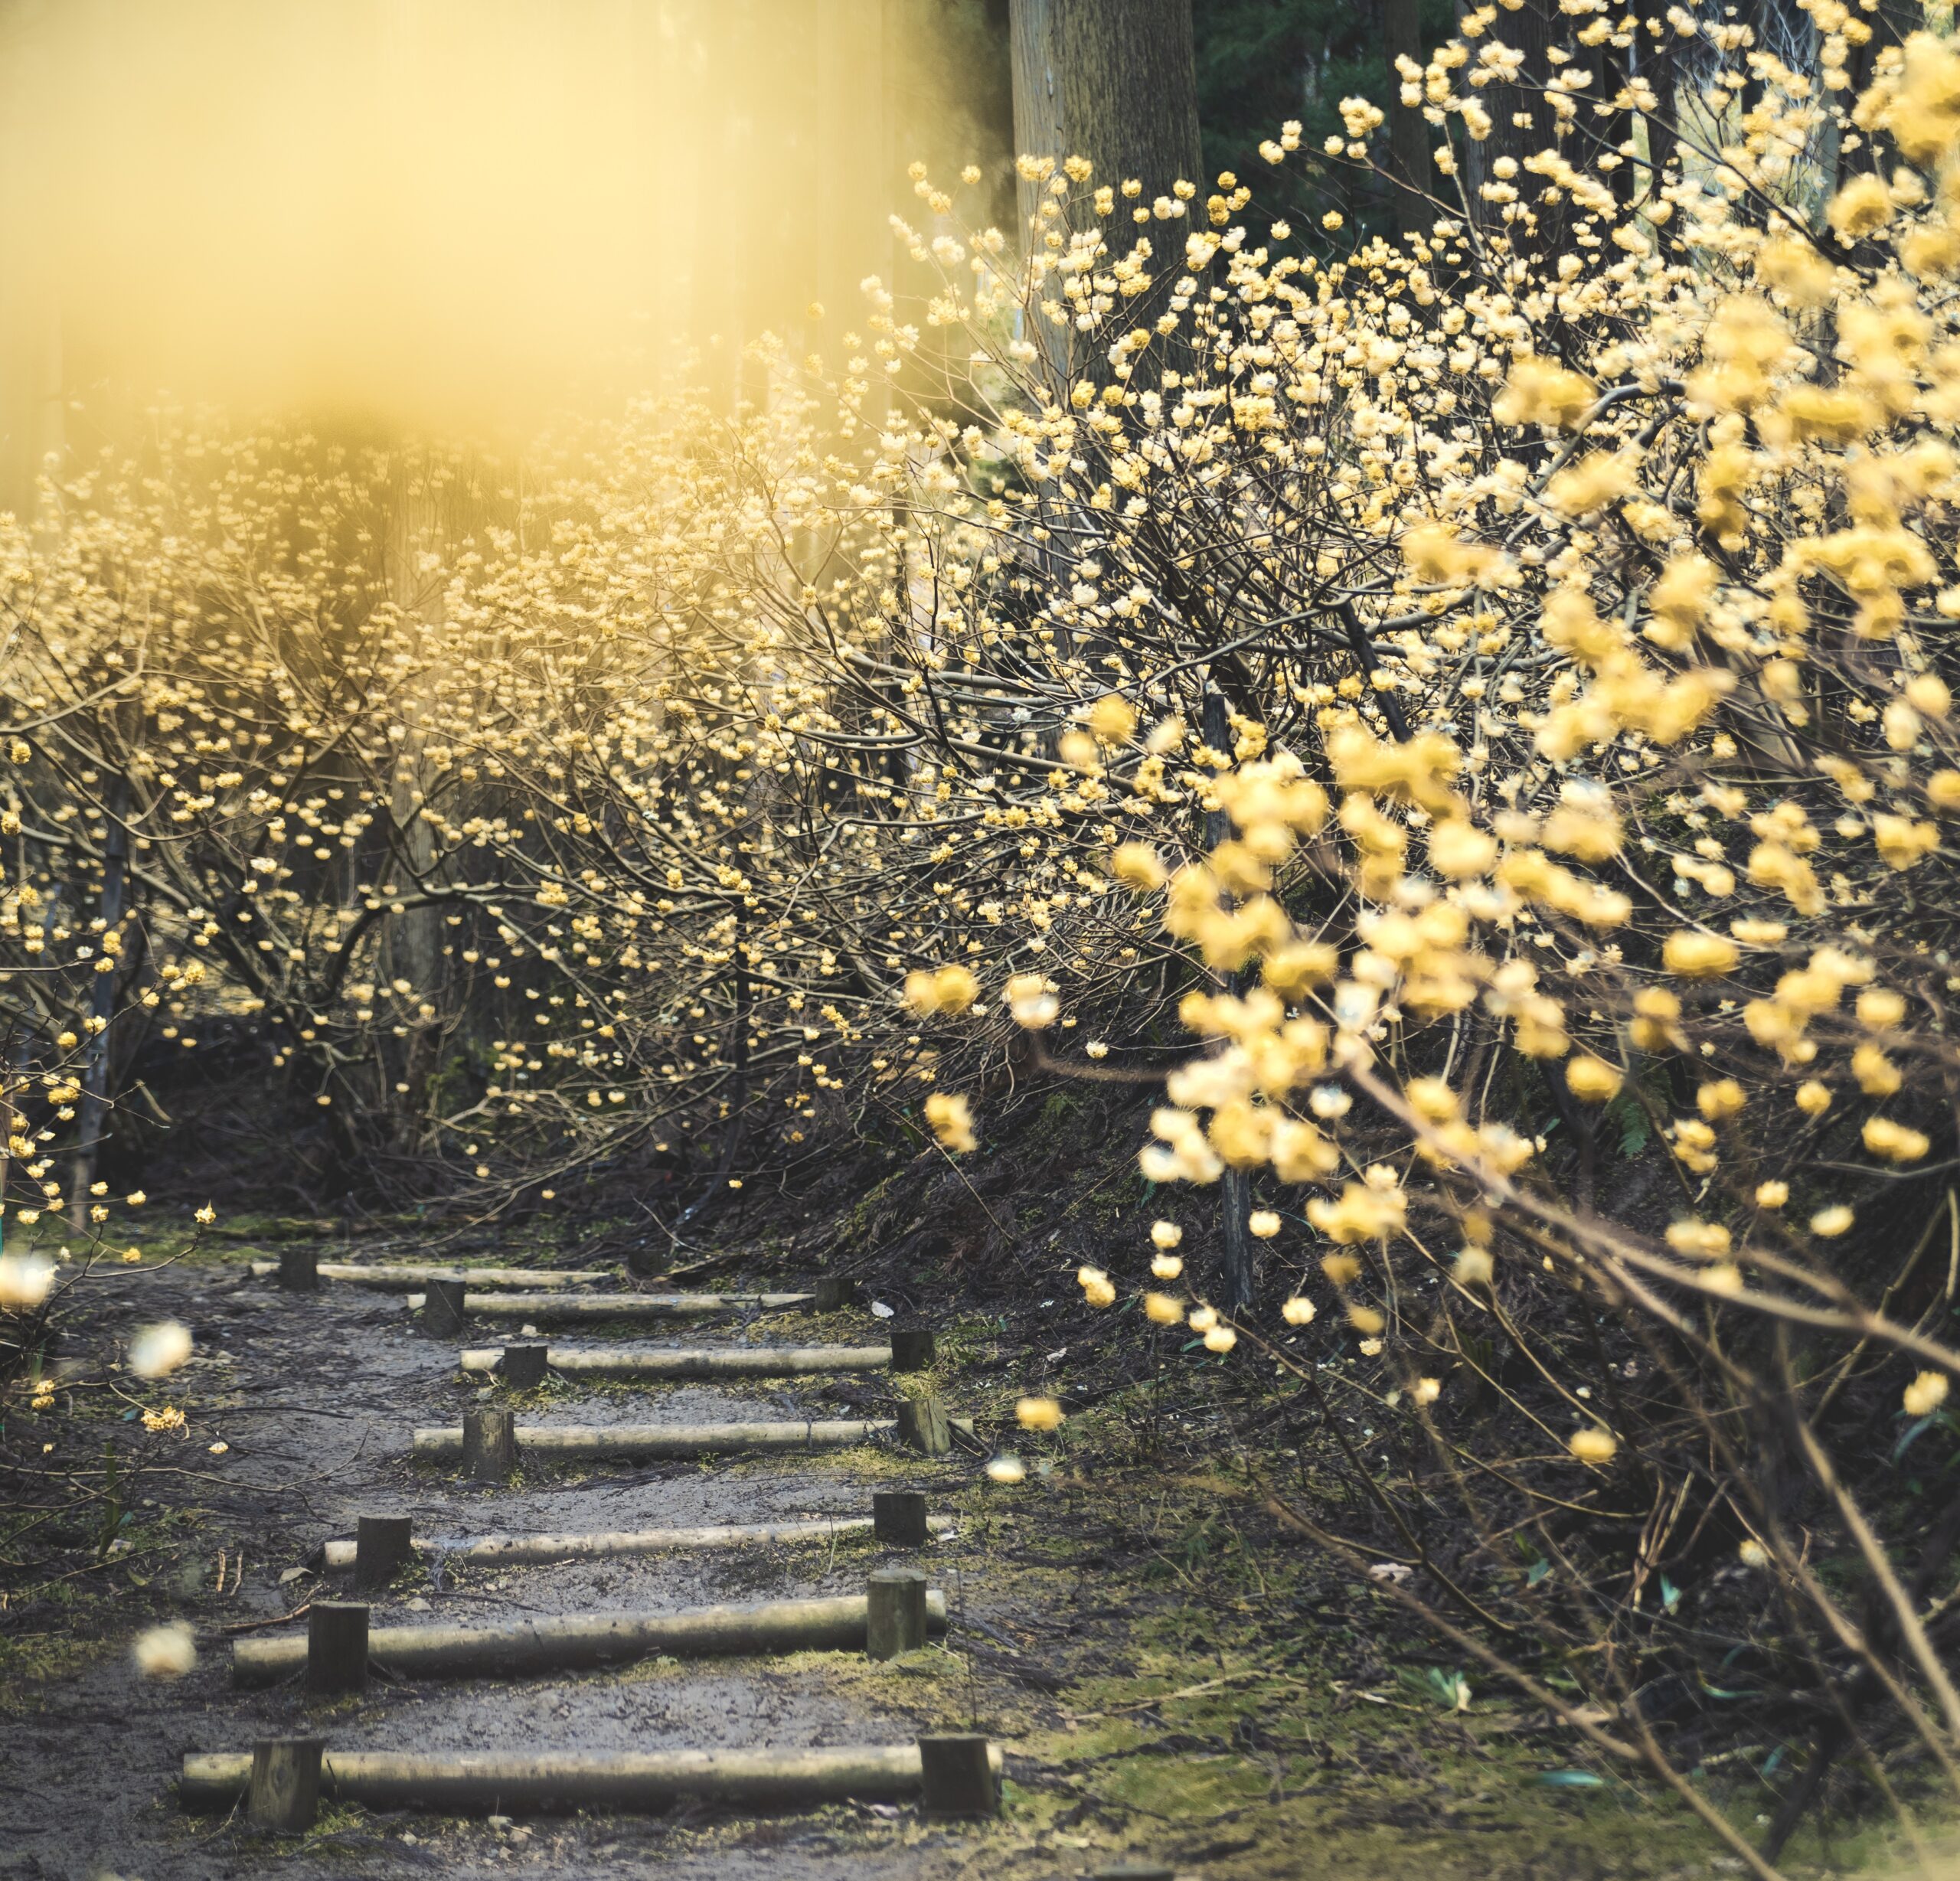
(316,1399)
(1169,1677)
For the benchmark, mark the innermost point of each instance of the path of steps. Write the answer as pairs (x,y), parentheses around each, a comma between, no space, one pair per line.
(618,1599)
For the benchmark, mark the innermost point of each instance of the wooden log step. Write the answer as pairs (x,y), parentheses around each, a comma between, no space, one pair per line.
(541,1306)
(511,1783)
(832,1623)
(736,1361)
(564,1441)
(340,1554)
(401,1278)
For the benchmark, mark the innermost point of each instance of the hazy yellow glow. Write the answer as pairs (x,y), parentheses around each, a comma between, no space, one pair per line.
(450,213)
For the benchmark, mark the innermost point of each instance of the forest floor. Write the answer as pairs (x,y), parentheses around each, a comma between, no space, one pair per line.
(1169,1677)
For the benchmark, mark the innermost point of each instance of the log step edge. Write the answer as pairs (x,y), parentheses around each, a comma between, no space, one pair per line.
(505,1784)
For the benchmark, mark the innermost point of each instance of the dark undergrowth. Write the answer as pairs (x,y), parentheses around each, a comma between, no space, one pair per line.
(1193,1667)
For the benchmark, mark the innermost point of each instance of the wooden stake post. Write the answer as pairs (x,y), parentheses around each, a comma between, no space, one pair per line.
(895,1616)
(898,1517)
(489,1445)
(444,1313)
(337,1646)
(381,1545)
(299,1269)
(522,1367)
(912,1350)
(957,1772)
(283,1791)
(922,1423)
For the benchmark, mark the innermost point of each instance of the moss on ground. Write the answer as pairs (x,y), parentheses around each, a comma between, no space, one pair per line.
(1167,1678)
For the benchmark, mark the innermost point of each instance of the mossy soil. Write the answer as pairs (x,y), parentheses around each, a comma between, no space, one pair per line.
(1172,1676)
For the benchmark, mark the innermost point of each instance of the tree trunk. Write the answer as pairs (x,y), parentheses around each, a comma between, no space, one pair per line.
(1408,135)
(1615,131)
(1039,129)
(13,1081)
(1522,125)
(1115,81)
(1655,63)
(1890,21)
(414,939)
(34,368)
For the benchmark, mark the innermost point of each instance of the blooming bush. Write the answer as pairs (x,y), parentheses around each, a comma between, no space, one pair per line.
(1487,697)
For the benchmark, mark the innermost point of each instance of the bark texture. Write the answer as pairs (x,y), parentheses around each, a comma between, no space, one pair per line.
(1113,80)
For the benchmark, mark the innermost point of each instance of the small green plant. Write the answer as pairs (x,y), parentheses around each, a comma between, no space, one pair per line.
(111,1522)
(1450,1689)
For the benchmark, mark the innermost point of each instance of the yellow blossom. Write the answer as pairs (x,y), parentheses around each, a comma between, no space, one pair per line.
(1038,1413)
(1096,1286)
(1595,1446)
(1593,1080)
(1689,955)
(1926,1394)
(951,1121)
